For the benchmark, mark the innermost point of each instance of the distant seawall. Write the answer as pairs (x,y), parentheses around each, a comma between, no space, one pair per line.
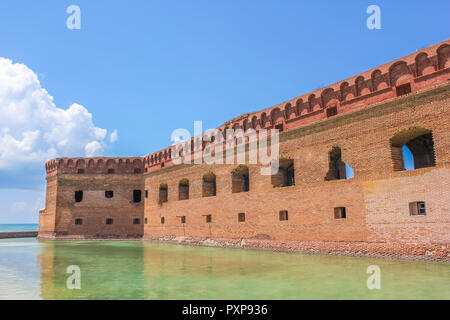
(24,234)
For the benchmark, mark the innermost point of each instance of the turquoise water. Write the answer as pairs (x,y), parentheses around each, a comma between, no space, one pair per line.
(18,227)
(32,269)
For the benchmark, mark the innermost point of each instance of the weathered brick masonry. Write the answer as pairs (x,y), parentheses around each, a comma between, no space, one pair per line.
(309,206)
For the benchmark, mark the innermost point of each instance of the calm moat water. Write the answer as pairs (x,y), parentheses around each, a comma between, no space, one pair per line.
(32,269)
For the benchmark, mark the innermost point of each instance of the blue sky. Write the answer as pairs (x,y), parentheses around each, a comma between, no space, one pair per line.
(145,68)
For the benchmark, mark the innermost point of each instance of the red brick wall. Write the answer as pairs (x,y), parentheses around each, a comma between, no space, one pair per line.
(376,199)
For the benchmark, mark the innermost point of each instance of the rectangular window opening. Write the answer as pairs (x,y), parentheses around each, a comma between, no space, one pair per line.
(284,215)
(340,213)
(136,221)
(137,195)
(109,221)
(109,194)
(280,127)
(110,171)
(78,221)
(403,89)
(332,112)
(417,208)
(241,217)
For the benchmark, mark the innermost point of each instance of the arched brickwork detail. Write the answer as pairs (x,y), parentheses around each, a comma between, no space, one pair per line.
(313,103)
(347,92)
(255,122)
(289,111)
(329,97)
(300,107)
(424,65)
(379,81)
(400,73)
(362,86)
(443,53)
(276,116)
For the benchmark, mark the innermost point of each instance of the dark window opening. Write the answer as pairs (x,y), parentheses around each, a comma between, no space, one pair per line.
(136,221)
(403,89)
(109,194)
(241,217)
(78,221)
(80,171)
(183,189)
(137,170)
(280,127)
(109,221)
(240,179)
(419,142)
(208,218)
(417,208)
(332,112)
(162,165)
(183,219)
(110,171)
(137,196)
(145,220)
(78,196)
(146,193)
(284,215)
(163,220)
(337,167)
(285,177)
(209,185)
(163,193)
(340,213)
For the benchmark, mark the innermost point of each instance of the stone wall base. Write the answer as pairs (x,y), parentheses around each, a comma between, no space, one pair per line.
(397,250)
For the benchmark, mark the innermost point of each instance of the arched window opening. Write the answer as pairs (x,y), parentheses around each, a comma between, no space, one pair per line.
(412,149)
(183,189)
(240,179)
(163,193)
(285,177)
(209,185)
(78,196)
(338,169)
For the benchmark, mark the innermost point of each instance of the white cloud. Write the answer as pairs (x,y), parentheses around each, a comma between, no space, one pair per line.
(33,130)
(93,148)
(113,136)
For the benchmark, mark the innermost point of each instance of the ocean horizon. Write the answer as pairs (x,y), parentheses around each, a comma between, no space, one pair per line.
(17,227)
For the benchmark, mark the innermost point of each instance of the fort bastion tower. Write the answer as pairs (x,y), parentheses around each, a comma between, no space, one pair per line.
(312,204)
